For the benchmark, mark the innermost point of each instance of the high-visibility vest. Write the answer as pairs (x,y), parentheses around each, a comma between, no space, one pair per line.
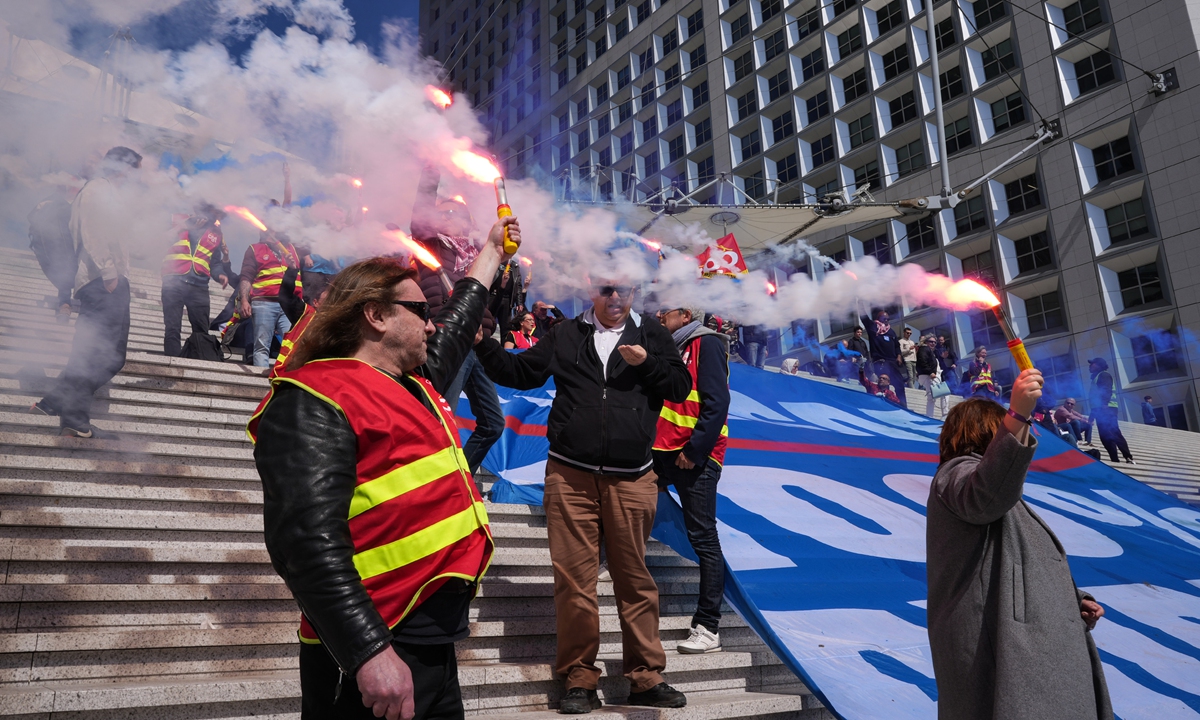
(521,342)
(676,421)
(290,339)
(983,379)
(268,276)
(181,260)
(416,518)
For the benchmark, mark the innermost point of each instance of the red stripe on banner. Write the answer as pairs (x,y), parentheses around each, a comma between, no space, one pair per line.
(510,423)
(812,449)
(1063,461)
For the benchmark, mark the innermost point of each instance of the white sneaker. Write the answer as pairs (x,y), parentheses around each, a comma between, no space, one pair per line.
(700,641)
(604,575)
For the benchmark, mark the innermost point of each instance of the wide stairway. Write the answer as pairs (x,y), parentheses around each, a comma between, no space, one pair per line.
(134,582)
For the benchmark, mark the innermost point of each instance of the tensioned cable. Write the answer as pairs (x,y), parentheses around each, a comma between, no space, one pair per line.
(467,45)
(1007,71)
(1075,36)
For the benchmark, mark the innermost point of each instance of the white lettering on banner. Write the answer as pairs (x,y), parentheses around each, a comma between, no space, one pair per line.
(744,407)
(741,551)
(1077,539)
(913,487)
(1079,505)
(840,421)
(830,643)
(907,420)
(1182,516)
(534,474)
(1171,667)
(1150,517)
(1132,701)
(760,490)
(1163,608)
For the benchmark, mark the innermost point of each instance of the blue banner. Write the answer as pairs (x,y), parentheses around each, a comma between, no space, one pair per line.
(821,513)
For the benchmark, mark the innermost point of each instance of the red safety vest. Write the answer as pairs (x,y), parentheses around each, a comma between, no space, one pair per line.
(416,518)
(290,339)
(180,259)
(521,342)
(677,420)
(268,276)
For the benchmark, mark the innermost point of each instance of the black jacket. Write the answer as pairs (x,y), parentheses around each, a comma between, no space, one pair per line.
(885,347)
(927,363)
(306,456)
(600,422)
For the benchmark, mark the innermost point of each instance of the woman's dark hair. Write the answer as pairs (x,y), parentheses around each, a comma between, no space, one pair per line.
(969,428)
(337,329)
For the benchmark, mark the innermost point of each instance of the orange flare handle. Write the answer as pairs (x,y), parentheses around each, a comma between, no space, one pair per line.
(1017,348)
(510,247)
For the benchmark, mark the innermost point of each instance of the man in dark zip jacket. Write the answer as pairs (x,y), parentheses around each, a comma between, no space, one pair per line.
(612,370)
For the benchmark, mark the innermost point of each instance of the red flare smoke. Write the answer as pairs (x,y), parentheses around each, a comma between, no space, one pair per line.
(245,214)
(475,166)
(438,96)
(415,248)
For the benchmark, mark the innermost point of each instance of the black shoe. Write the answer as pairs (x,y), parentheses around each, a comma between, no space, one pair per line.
(661,695)
(578,701)
(91,433)
(41,407)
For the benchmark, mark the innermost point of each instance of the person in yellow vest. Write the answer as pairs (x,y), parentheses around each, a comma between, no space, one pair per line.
(979,375)
(689,449)
(370,513)
(263,267)
(197,256)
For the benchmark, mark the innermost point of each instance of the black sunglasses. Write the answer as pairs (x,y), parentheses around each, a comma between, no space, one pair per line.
(420,308)
(622,290)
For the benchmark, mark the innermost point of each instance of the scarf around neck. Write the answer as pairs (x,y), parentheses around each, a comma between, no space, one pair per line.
(464,251)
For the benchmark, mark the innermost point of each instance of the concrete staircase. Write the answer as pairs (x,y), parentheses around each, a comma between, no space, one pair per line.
(134,582)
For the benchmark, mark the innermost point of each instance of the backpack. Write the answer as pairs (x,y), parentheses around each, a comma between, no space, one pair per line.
(51,242)
(202,346)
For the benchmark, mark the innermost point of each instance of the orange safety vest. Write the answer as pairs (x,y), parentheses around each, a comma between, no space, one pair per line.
(416,518)
(984,379)
(290,339)
(268,276)
(677,420)
(180,259)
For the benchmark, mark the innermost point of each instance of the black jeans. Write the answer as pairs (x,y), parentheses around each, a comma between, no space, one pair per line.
(1111,436)
(436,691)
(176,295)
(97,352)
(697,490)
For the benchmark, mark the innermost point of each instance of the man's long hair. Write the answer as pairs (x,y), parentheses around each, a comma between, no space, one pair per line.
(337,330)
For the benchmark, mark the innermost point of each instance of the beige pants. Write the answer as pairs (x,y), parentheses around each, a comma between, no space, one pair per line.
(581,507)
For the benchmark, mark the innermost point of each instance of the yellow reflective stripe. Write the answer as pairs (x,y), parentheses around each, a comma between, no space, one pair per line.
(403,479)
(186,258)
(724,431)
(268,283)
(676,419)
(693,396)
(419,544)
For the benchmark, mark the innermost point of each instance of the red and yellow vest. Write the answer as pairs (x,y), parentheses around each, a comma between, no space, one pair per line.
(268,276)
(416,518)
(984,379)
(180,259)
(288,344)
(522,341)
(677,420)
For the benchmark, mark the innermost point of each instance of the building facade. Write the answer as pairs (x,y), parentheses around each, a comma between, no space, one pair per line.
(1092,241)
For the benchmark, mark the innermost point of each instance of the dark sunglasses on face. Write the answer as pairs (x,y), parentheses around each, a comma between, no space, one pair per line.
(420,308)
(622,290)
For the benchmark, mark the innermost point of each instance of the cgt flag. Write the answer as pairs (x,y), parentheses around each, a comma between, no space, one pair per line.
(723,258)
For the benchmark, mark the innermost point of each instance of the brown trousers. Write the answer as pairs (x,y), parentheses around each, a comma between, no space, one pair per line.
(580,508)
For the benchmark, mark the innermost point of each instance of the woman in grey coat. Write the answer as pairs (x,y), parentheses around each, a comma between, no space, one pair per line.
(1009,631)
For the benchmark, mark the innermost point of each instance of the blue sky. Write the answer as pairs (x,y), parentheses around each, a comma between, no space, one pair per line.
(192,21)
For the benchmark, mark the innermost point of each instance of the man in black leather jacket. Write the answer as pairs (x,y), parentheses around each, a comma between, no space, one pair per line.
(306,455)
(612,370)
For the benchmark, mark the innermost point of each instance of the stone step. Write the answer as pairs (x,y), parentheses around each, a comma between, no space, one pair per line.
(16,361)
(24,421)
(29,389)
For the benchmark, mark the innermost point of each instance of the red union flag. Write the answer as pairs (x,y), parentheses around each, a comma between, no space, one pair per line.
(723,257)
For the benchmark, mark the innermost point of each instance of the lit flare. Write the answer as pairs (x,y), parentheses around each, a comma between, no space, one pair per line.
(356,183)
(475,166)
(526,262)
(771,289)
(964,294)
(438,96)
(652,244)
(245,214)
(415,249)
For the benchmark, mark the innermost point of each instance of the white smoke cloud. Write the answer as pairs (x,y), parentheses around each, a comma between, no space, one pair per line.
(337,112)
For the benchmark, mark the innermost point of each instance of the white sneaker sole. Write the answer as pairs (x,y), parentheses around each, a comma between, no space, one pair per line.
(691,651)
